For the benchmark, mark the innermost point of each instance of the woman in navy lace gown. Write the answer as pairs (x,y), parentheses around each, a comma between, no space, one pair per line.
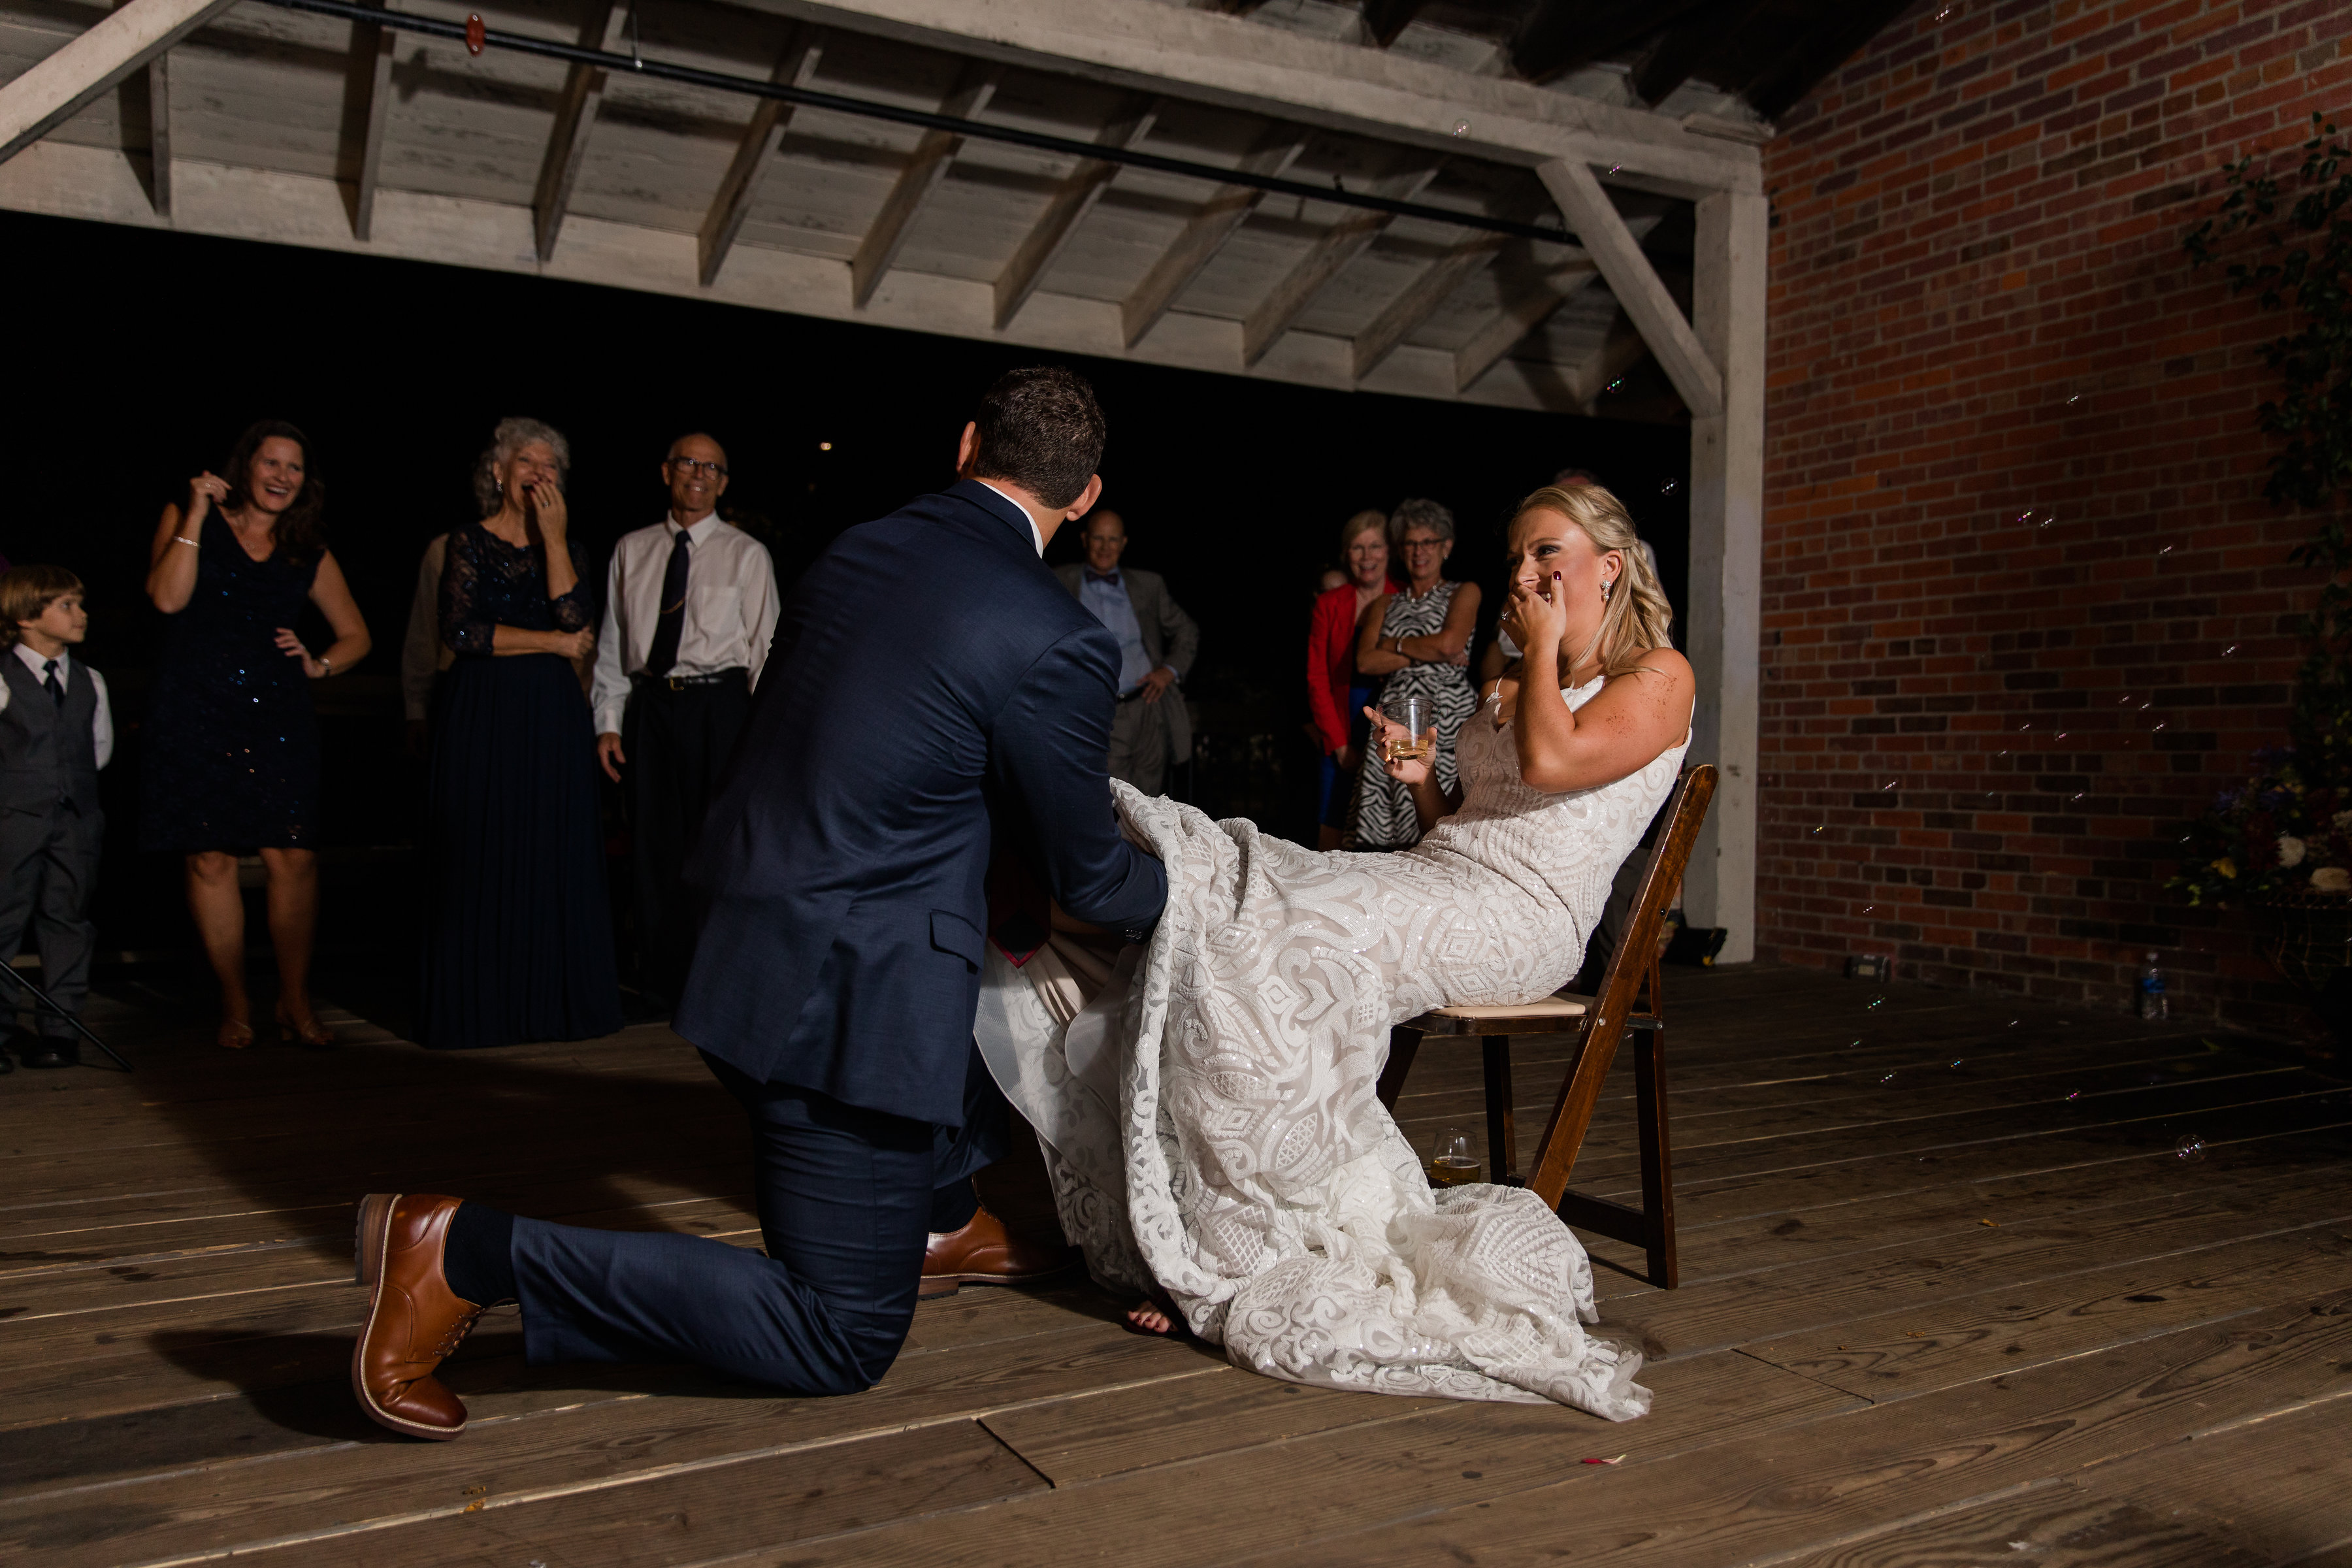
(231,750)
(518,943)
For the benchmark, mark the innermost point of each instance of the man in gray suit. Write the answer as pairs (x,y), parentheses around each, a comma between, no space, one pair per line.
(1157,644)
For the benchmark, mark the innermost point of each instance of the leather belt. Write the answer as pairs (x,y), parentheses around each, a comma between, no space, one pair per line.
(680,682)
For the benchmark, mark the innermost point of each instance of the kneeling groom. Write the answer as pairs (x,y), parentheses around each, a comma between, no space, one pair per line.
(931,685)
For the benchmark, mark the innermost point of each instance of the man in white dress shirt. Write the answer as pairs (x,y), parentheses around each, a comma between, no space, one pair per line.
(57,730)
(1157,644)
(689,610)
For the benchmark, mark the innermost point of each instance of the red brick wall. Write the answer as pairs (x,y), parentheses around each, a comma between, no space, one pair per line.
(2024,607)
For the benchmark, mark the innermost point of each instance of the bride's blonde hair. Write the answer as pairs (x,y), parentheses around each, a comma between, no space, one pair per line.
(1638,619)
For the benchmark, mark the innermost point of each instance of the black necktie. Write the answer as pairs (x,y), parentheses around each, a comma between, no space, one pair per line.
(664,652)
(55,687)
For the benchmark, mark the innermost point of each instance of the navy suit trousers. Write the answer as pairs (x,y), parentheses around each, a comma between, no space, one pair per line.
(845,1200)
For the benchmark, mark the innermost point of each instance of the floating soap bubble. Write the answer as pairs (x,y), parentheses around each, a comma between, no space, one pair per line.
(1614,167)
(1461,127)
(2190,1149)
(1958,1060)
(1878,1001)
(1891,783)
(2015,1022)
(1888,1079)
(1670,487)
(2073,1094)
(2074,400)
(2231,649)
(2077,795)
(2166,551)
(1615,384)
(2047,519)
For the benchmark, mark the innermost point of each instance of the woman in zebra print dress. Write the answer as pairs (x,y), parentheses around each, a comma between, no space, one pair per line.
(1420,639)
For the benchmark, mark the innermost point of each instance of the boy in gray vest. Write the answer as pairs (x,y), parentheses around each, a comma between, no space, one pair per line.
(56,732)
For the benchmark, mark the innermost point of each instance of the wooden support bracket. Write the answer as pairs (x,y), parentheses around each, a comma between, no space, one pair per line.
(61,85)
(1072,200)
(1663,325)
(924,170)
(1341,244)
(796,65)
(1206,234)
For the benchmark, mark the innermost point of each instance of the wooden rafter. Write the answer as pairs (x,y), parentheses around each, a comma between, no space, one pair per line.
(1637,286)
(1471,255)
(1072,200)
(575,114)
(60,85)
(1386,19)
(1341,244)
(367,104)
(1206,234)
(1776,90)
(1559,36)
(924,170)
(1510,325)
(796,65)
(1522,315)
(1687,43)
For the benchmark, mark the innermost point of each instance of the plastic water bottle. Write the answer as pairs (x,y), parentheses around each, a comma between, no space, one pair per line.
(2151,992)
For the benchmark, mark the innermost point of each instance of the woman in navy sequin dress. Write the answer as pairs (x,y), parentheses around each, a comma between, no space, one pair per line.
(519,941)
(231,761)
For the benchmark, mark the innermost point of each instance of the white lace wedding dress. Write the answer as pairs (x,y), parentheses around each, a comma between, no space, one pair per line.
(1210,1117)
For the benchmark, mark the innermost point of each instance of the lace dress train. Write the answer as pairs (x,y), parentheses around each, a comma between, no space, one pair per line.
(1211,1119)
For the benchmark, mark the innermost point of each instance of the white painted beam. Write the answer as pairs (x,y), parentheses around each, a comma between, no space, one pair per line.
(1518,317)
(63,179)
(370,87)
(1328,83)
(1341,244)
(575,116)
(60,86)
(924,170)
(1607,240)
(1727,562)
(1472,254)
(1198,244)
(795,66)
(1072,200)
(158,131)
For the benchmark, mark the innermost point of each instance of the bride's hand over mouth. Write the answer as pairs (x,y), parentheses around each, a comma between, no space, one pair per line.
(1535,616)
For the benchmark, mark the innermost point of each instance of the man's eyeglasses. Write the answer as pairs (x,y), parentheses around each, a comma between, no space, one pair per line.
(691,466)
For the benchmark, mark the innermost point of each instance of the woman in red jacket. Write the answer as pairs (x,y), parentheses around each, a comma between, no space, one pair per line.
(1336,695)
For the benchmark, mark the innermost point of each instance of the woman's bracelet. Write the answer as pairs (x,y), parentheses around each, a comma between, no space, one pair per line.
(184,538)
(326,667)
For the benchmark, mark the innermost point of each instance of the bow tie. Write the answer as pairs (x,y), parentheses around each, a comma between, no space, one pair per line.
(1095,576)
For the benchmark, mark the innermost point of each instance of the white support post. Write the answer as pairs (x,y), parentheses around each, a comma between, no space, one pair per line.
(59,87)
(1727,562)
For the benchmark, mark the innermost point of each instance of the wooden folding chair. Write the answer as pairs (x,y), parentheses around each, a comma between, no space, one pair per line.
(1597,1023)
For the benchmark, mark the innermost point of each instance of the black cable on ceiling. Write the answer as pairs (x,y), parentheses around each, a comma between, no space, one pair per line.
(977,129)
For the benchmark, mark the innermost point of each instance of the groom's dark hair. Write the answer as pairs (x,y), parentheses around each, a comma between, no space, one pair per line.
(1040,428)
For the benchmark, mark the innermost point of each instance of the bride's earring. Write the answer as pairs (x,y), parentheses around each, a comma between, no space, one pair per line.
(1606,584)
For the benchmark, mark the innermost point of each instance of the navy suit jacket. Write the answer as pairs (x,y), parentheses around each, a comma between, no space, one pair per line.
(931,688)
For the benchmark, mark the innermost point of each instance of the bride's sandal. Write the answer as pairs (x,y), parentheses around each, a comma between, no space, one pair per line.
(234,1034)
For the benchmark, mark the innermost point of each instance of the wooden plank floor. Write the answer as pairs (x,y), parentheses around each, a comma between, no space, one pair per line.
(1952,1294)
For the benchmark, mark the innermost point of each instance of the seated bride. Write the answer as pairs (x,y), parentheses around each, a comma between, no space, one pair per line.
(1207,1101)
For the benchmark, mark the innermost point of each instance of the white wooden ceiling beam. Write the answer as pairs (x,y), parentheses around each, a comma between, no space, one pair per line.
(1198,244)
(932,157)
(1471,255)
(159,132)
(60,86)
(795,66)
(368,90)
(1341,244)
(1607,240)
(1072,200)
(1518,317)
(1510,325)
(1327,83)
(575,115)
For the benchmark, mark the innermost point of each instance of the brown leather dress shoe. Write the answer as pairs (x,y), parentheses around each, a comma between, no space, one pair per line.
(414,1320)
(984,1253)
